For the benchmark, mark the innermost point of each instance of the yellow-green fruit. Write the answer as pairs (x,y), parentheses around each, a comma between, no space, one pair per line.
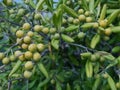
(30,34)
(80,11)
(38,28)
(21,12)
(52,30)
(118,85)
(19,41)
(40,47)
(27,74)
(37,16)
(45,30)
(105,75)
(9,2)
(27,39)
(26,26)
(81,35)
(76,21)
(103,23)
(56,36)
(89,19)
(17,53)
(70,19)
(28,55)
(64,21)
(68,2)
(22,57)
(5,60)
(87,13)
(93,57)
(108,31)
(32,47)
(81,17)
(28,65)
(12,58)
(24,46)
(2,55)
(11,11)
(95,25)
(36,56)
(19,33)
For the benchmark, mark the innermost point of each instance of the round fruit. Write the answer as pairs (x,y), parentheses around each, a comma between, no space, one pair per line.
(11,11)
(32,47)
(64,21)
(2,55)
(38,28)
(108,31)
(95,25)
(17,53)
(27,39)
(93,57)
(12,58)
(26,26)
(21,12)
(36,56)
(70,19)
(118,84)
(19,33)
(102,59)
(9,2)
(45,30)
(87,13)
(89,19)
(19,41)
(81,17)
(28,55)
(27,74)
(81,35)
(80,11)
(40,47)
(24,46)
(105,75)
(37,16)
(103,23)
(52,30)
(5,60)
(52,81)
(68,2)
(28,65)
(30,34)
(76,21)
(21,57)
(56,36)
(106,38)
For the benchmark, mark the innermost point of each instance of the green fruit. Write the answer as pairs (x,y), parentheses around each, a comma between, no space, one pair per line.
(38,28)
(81,35)
(32,47)
(5,60)
(36,56)
(2,55)
(37,16)
(21,12)
(26,26)
(19,33)
(116,49)
(28,65)
(27,39)
(28,55)
(12,58)
(40,47)
(27,74)
(52,30)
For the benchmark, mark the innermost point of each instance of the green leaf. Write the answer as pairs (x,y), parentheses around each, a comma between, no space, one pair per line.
(55,44)
(39,6)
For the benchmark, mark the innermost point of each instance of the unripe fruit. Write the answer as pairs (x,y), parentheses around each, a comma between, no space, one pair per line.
(56,36)
(12,58)
(28,55)
(108,31)
(64,21)
(93,57)
(24,46)
(103,23)
(68,2)
(80,11)
(105,75)
(9,2)
(76,21)
(95,25)
(89,19)
(106,38)
(36,56)
(27,39)
(19,41)
(81,35)
(27,74)
(21,57)
(28,65)
(11,11)
(70,19)
(32,47)
(26,26)
(52,30)
(17,53)
(87,13)
(38,28)
(45,30)
(118,85)
(30,34)
(21,12)
(40,47)
(37,16)
(81,17)
(5,60)
(19,33)
(2,55)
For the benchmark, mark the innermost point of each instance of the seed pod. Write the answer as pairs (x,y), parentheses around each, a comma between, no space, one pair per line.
(87,25)
(96,84)
(67,38)
(85,55)
(115,29)
(71,28)
(55,44)
(95,41)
